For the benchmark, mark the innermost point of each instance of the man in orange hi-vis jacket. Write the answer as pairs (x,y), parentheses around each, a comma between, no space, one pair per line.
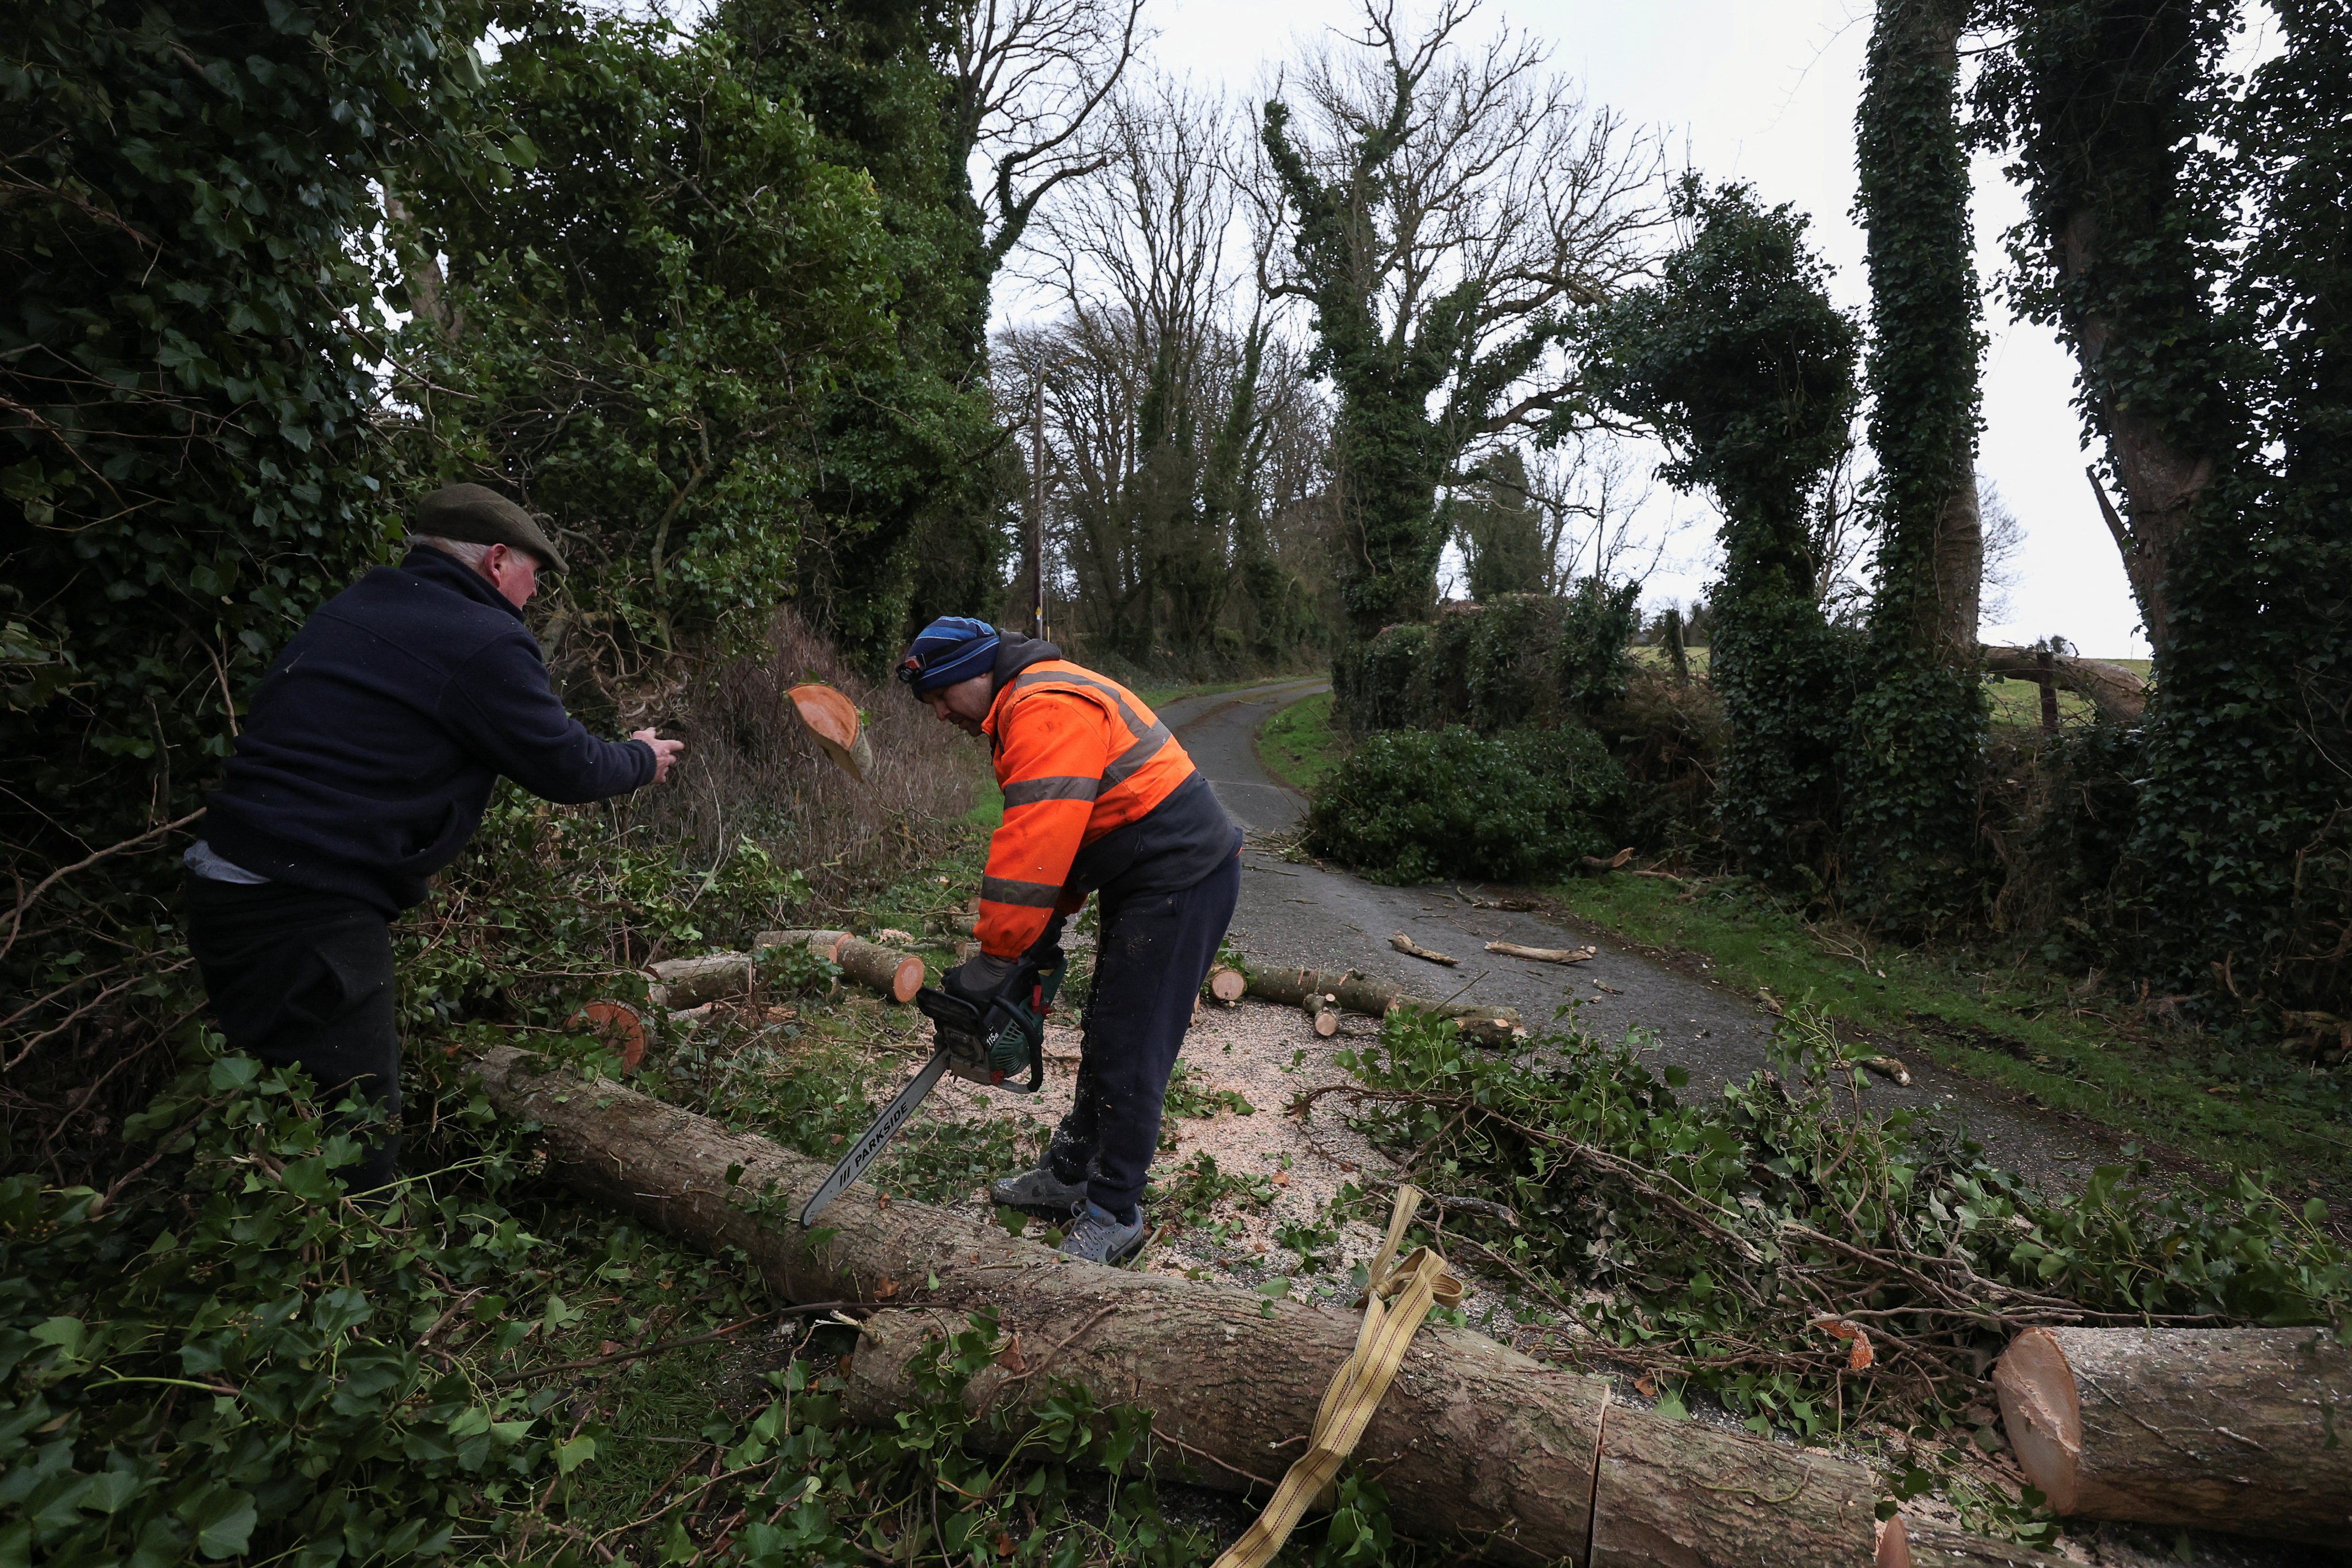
(1098,798)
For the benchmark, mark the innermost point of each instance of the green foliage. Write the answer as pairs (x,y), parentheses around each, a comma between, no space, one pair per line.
(915,469)
(1411,806)
(1739,361)
(184,461)
(638,332)
(1502,538)
(1187,1097)
(1593,661)
(1515,660)
(250,1371)
(1697,1238)
(1918,719)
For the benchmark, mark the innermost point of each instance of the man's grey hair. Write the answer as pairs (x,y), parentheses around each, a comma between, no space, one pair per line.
(465,550)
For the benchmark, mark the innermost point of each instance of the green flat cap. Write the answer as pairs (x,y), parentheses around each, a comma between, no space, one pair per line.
(480,515)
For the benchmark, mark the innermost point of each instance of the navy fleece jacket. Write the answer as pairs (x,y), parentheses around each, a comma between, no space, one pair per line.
(374,740)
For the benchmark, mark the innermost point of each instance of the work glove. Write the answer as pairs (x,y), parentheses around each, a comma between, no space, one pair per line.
(980,978)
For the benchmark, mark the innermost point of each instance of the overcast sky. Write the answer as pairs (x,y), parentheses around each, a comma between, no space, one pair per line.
(1764,90)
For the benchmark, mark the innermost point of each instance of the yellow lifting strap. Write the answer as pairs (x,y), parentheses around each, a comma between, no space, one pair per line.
(1396,1299)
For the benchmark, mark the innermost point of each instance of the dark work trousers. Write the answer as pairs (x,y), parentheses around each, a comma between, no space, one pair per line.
(1153,952)
(299,976)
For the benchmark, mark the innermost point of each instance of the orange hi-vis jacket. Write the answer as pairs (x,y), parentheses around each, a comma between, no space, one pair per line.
(1079,757)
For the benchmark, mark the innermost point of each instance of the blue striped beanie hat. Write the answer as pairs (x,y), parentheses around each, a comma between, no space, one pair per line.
(952,648)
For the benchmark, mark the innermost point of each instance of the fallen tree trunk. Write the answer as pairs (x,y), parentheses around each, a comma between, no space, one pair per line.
(1474,1440)
(2117,693)
(1227,983)
(2246,1430)
(1360,992)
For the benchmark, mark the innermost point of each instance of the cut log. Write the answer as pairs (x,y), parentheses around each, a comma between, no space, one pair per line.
(1474,1440)
(1887,1067)
(1360,992)
(898,976)
(1596,865)
(828,943)
(1413,949)
(1908,1543)
(1323,1012)
(1542,954)
(2245,1430)
(2117,693)
(682,982)
(1674,1492)
(1227,984)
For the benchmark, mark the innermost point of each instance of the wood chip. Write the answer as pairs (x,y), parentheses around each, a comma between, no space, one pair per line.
(1542,954)
(1413,949)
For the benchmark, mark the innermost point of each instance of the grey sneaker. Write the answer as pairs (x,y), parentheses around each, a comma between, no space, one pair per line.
(1040,1190)
(1099,1235)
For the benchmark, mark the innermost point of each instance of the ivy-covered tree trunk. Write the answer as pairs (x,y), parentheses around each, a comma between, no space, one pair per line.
(1918,719)
(2300,120)
(1386,455)
(2117,110)
(1739,361)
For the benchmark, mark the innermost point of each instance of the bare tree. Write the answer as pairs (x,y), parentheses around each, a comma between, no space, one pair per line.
(1449,209)
(1591,493)
(1176,428)
(1029,78)
(2004,547)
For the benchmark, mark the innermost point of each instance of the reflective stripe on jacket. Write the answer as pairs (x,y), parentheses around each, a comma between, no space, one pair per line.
(1079,757)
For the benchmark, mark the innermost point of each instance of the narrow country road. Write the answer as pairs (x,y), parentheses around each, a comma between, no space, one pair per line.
(1305,914)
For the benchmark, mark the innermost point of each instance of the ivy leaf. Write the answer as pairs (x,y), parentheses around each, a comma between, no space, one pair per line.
(223,1519)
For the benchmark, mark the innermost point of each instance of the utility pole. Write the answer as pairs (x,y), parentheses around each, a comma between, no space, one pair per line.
(1037,507)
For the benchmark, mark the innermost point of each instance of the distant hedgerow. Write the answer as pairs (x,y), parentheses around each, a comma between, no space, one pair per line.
(1410,806)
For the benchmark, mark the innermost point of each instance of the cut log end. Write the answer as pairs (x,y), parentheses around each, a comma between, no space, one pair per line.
(1227,984)
(898,976)
(2042,1413)
(1323,1013)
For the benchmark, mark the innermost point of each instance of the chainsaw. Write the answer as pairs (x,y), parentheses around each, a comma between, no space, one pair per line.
(984,1041)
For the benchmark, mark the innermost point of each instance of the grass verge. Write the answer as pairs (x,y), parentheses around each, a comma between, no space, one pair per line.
(1298,745)
(2067,1045)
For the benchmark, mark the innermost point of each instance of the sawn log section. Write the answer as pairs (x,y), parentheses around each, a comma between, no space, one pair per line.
(1474,1440)
(2248,1430)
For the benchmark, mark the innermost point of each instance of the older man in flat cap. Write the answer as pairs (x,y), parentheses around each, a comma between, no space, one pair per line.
(363,768)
